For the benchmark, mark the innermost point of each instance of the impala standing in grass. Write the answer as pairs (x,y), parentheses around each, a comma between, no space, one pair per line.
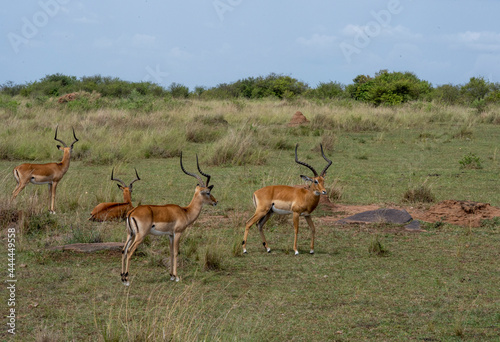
(50,173)
(114,210)
(168,219)
(284,199)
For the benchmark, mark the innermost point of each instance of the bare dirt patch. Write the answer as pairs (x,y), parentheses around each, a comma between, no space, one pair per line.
(461,213)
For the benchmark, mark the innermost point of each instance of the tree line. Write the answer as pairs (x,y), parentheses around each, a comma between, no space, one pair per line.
(383,88)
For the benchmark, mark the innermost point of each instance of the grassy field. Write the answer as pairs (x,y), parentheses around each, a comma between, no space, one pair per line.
(437,285)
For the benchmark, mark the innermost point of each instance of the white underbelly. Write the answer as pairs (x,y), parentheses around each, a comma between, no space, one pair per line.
(281,211)
(34,181)
(153,231)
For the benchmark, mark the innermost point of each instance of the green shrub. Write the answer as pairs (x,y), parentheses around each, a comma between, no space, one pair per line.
(419,194)
(84,235)
(388,88)
(470,161)
(376,247)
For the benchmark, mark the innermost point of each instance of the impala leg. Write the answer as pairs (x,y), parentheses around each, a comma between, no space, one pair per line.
(174,251)
(52,196)
(259,214)
(296,217)
(128,255)
(171,245)
(21,183)
(313,232)
(124,253)
(20,186)
(261,224)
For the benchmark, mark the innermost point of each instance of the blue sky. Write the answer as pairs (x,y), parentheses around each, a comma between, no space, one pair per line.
(207,42)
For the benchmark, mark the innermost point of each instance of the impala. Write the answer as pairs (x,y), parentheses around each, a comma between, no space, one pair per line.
(50,173)
(114,210)
(169,219)
(283,199)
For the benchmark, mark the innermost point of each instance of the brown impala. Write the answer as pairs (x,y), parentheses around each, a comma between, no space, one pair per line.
(284,199)
(113,210)
(50,173)
(168,219)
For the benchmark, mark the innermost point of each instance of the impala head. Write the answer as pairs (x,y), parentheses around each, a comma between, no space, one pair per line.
(65,147)
(202,188)
(121,184)
(318,181)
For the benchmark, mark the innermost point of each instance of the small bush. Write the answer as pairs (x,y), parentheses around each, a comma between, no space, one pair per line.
(37,222)
(470,161)
(419,194)
(376,248)
(84,235)
(212,259)
(238,148)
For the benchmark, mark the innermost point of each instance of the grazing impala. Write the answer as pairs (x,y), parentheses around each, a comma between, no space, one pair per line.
(50,173)
(283,199)
(169,219)
(114,210)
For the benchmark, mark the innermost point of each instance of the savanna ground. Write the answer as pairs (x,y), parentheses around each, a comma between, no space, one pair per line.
(374,282)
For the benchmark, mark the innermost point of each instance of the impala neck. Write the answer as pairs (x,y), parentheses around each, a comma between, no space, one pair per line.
(65,160)
(127,197)
(315,198)
(193,210)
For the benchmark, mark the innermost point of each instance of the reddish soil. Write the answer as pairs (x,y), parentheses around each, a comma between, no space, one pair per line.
(298,119)
(461,213)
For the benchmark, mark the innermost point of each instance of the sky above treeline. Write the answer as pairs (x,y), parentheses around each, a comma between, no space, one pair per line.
(209,42)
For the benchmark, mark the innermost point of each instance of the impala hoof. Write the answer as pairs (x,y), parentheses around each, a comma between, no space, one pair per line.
(311,251)
(268,250)
(244,250)
(296,252)
(126,283)
(174,278)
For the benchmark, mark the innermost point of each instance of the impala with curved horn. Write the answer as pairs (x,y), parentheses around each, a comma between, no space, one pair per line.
(114,210)
(50,173)
(284,199)
(168,219)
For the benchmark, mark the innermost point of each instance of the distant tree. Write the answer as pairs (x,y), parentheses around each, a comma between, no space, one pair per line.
(476,89)
(178,90)
(388,88)
(447,93)
(327,91)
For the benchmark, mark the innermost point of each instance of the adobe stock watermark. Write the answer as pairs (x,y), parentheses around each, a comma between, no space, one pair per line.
(11,280)
(223,6)
(372,29)
(30,27)
(155,74)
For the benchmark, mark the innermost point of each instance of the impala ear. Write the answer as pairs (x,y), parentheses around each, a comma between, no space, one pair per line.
(59,147)
(119,186)
(210,187)
(305,178)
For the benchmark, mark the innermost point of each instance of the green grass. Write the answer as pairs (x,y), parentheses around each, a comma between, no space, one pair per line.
(375,282)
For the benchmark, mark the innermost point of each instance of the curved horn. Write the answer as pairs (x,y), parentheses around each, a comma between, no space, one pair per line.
(116,179)
(55,138)
(191,174)
(302,163)
(135,180)
(74,136)
(325,158)
(204,174)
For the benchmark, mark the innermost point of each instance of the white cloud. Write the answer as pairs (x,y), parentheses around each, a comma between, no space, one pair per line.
(143,40)
(374,30)
(85,20)
(317,40)
(486,41)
